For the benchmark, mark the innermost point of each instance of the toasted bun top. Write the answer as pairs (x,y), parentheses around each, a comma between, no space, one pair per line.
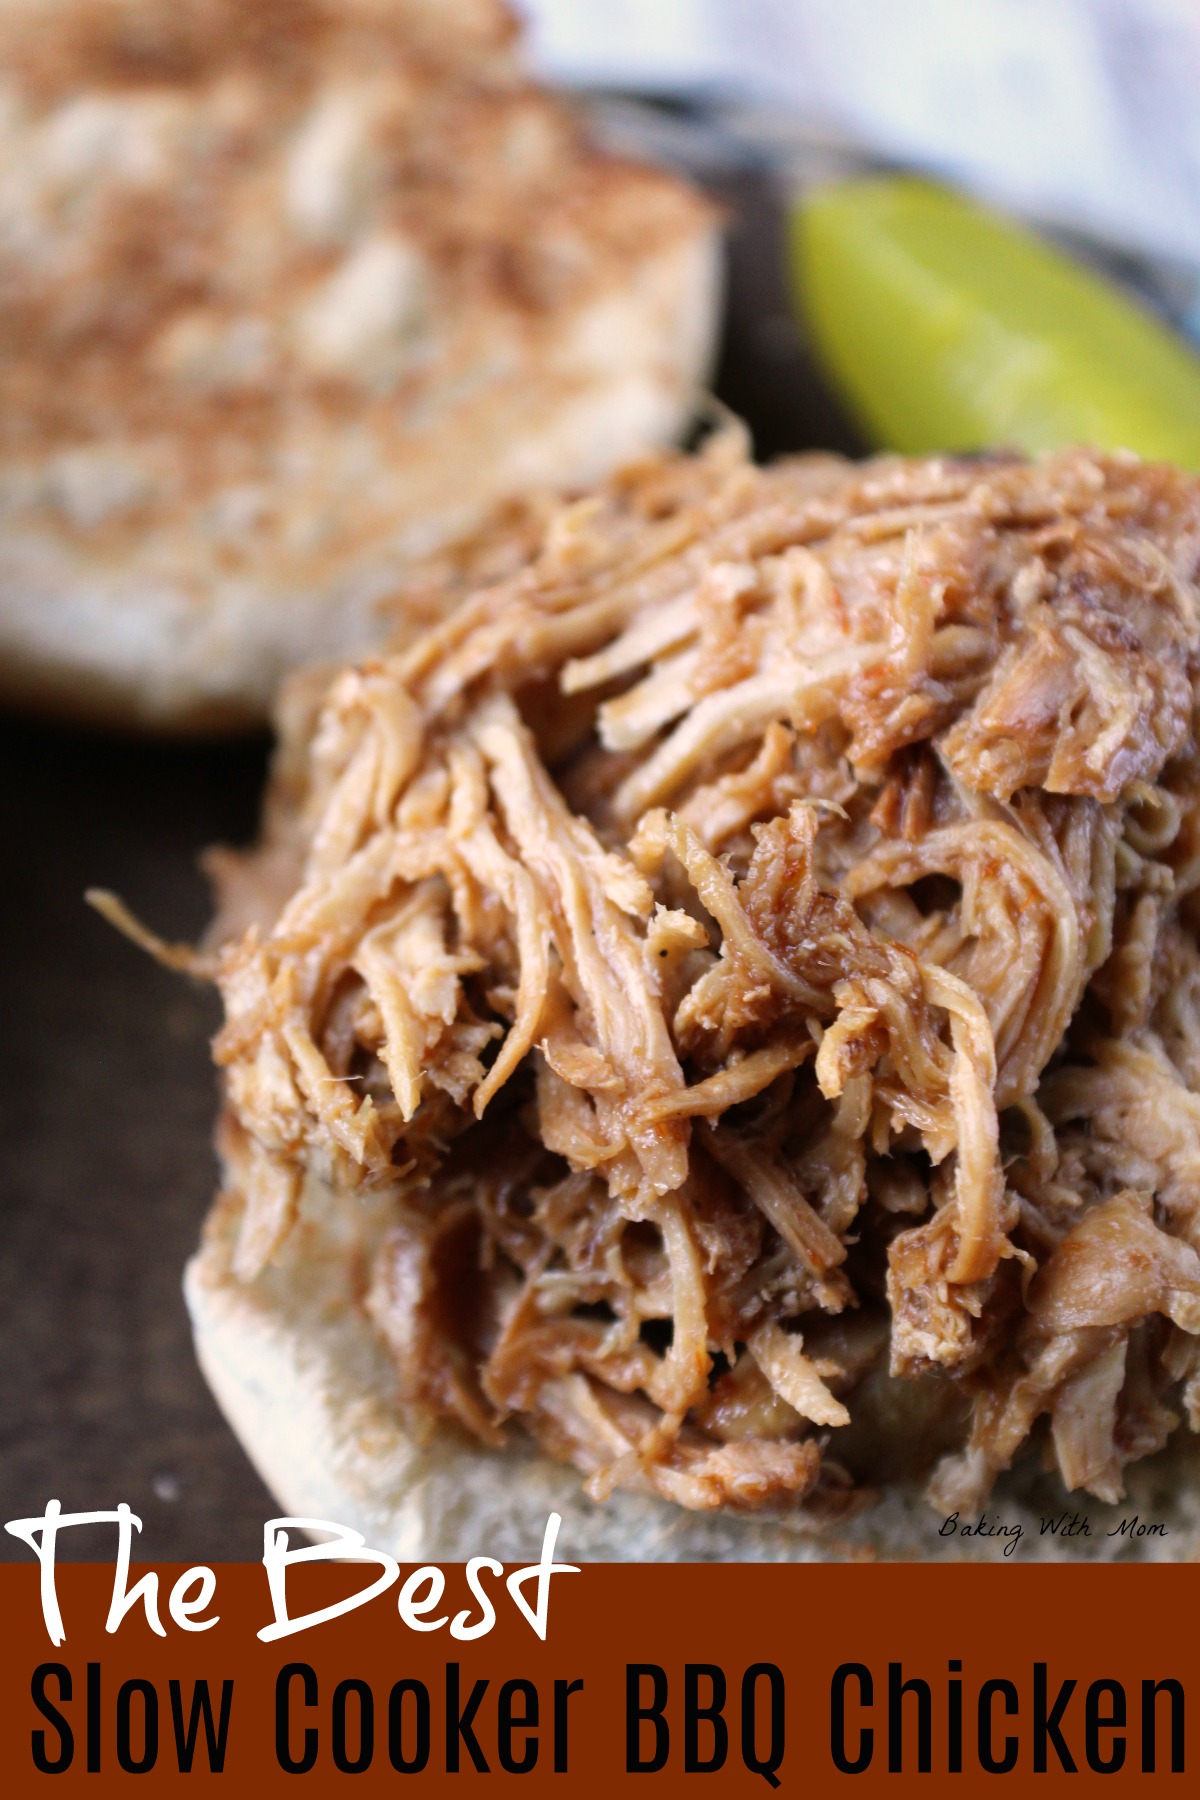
(233,234)
(293,293)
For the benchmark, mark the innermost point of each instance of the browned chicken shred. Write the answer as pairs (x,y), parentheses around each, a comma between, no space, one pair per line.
(753,948)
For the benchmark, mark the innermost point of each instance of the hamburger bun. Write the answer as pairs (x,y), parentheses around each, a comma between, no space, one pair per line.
(722,1011)
(292,296)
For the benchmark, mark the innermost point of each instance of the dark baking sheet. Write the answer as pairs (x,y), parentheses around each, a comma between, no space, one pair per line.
(106,1167)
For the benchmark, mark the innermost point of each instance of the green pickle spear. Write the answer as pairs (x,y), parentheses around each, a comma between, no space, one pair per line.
(947,327)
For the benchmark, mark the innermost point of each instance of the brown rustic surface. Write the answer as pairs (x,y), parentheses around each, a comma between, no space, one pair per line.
(106,1167)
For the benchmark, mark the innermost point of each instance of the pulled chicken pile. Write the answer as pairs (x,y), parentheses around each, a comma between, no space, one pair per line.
(753,946)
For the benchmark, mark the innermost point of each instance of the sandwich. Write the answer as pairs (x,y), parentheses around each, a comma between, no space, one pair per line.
(293,296)
(712,1028)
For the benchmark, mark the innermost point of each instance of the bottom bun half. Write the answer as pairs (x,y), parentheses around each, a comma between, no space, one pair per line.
(307,1385)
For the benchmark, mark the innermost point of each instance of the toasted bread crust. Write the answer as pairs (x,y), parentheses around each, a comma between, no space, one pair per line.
(294,295)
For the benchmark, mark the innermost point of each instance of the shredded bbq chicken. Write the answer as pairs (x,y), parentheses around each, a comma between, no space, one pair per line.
(752,947)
